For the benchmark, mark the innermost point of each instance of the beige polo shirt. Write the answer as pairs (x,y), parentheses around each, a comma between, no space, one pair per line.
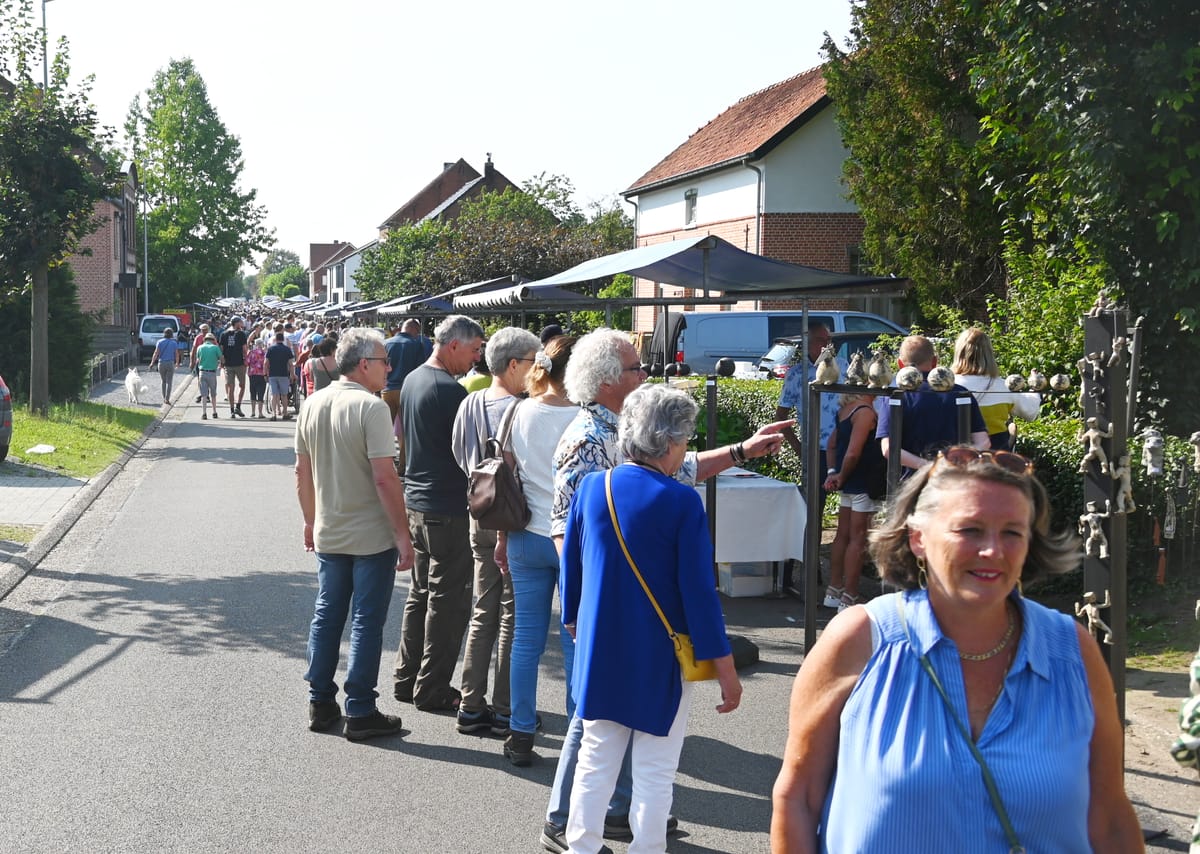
(341,429)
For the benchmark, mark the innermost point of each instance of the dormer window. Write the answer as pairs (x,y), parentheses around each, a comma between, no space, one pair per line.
(689,207)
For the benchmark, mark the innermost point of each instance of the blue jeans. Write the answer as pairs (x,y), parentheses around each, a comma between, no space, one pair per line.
(360,585)
(533,567)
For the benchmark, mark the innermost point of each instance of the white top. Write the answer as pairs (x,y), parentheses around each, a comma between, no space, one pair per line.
(536,429)
(996,402)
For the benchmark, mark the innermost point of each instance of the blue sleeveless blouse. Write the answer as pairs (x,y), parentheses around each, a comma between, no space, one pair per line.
(906,781)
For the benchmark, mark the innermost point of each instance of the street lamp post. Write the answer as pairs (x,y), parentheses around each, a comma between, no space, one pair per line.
(146,252)
(45,49)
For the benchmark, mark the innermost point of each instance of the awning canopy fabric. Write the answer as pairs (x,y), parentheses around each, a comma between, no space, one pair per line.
(442,303)
(705,262)
(522,296)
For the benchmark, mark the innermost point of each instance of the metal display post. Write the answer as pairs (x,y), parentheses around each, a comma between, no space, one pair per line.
(710,485)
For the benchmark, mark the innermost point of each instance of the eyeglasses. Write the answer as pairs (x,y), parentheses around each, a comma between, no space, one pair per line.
(375,358)
(637,368)
(962,456)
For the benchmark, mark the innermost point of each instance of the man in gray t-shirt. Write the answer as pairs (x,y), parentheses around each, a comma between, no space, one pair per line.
(435,488)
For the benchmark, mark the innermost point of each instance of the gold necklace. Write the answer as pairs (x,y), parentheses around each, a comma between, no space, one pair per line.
(994,651)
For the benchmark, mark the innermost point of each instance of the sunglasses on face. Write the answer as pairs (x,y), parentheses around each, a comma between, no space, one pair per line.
(962,456)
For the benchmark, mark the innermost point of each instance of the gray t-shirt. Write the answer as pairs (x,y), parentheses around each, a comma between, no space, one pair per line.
(433,482)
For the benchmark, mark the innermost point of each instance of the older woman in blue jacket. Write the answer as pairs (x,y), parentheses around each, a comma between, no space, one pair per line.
(627,682)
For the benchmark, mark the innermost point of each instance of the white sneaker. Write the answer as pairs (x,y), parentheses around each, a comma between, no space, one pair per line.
(833,597)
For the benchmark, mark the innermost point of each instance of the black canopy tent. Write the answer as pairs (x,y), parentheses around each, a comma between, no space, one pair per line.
(702,263)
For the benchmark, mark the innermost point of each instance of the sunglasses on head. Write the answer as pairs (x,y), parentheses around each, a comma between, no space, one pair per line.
(962,456)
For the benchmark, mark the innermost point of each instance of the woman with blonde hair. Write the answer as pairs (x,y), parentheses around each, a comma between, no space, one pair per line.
(975,369)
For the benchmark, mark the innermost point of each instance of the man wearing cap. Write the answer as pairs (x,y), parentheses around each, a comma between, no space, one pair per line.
(208,361)
(233,350)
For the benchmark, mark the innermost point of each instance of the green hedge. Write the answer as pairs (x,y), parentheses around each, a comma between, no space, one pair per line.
(745,405)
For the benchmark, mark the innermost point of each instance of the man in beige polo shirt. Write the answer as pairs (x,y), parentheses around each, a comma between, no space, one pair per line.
(355,520)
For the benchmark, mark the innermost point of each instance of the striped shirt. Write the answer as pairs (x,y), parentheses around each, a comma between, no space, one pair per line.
(906,780)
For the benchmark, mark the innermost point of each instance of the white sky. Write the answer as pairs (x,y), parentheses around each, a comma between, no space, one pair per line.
(345,110)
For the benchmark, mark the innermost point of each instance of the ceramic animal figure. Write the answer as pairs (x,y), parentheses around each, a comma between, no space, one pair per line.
(856,372)
(941,379)
(879,372)
(827,371)
(1060,382)
(908,378)
(1015,382)
(1037,381)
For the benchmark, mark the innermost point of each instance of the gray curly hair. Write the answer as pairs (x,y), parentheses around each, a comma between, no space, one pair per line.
(652,419)
(595,360)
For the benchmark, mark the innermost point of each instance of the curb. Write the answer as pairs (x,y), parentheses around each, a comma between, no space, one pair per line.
(14,569)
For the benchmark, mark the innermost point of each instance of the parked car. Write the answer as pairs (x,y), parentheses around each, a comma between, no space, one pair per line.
(6,419)
(701,338)
(785,352)
(150,331)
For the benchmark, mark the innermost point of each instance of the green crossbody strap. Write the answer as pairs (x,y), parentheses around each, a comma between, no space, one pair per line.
(1014,845)
(612,511)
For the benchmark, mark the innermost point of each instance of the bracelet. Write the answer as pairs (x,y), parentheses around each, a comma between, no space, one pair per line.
(732,455)
(741,451)
(830,471)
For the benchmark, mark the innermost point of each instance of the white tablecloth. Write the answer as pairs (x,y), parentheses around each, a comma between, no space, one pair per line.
(758,518)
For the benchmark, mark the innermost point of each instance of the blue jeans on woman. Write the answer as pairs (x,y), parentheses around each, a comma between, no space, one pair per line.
(533,565)
(361,585)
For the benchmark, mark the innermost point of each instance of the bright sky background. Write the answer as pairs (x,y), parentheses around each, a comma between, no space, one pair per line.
(345,110)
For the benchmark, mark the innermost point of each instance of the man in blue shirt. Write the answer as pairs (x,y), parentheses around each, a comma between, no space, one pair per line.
(166,356)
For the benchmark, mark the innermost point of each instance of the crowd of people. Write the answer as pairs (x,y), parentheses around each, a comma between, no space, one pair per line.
(955,688)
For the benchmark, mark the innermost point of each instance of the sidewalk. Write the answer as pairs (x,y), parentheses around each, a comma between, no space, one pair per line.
(47,504)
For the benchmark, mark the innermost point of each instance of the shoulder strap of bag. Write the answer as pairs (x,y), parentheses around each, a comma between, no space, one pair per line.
(494,445)
(988,781)
(612,511)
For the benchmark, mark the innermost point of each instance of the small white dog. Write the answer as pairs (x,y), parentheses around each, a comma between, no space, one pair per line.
(135,386)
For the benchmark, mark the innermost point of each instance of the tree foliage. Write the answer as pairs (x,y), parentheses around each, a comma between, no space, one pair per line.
(202,225)
(274,284)
(911,124)
(68,327)
(402,264)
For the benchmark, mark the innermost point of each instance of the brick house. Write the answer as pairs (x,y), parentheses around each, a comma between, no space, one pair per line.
(336,273)
(442,197)
(766,176)
(318,255)
(105,267)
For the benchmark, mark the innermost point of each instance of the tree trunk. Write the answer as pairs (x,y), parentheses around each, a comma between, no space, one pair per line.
(39,351)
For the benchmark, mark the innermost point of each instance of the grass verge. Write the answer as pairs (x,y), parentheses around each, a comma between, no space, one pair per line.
(20,534)
(87,437)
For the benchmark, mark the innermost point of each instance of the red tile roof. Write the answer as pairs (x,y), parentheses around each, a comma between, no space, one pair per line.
(750,128)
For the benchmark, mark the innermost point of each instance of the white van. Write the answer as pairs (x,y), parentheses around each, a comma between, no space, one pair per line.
(745,336)
(150,331)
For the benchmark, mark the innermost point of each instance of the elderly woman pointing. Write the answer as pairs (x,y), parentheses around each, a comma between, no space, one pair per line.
(627,681)
(956,715)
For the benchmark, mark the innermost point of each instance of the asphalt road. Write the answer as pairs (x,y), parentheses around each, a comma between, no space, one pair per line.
(155,701)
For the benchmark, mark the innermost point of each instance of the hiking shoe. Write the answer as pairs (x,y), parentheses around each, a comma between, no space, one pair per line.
(323,714)
(617,827)
(554,840)
(474,721)
(833,596)
(518,748)
(501,723)
(371,726)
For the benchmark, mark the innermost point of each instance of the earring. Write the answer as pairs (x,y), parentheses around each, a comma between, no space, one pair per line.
(922,578)
(1020,589)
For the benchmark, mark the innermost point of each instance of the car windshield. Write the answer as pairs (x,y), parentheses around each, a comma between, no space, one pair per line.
(780,353)
(158,325)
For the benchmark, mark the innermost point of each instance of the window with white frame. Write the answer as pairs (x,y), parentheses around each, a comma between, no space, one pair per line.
(689,207)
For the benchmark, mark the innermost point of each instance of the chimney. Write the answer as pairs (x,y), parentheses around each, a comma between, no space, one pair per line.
(488,169)
(447,166)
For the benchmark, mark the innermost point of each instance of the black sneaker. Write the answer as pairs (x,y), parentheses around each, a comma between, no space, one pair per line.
(239,411)
(324,714)
(518,748)
(501,723)
(554,840)
(214,413)
(371,726)
(474,721)
(617,827)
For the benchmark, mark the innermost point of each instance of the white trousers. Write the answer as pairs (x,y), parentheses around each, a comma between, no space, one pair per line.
(655,759)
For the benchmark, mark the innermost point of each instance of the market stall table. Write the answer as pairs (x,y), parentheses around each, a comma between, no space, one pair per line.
(760,523)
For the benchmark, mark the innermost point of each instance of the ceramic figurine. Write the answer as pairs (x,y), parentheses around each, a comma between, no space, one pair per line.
(827,371)
(1015,382)
(856,372)
(941,379)
(1119,346)
(1122,472)
(1194,441)
(909,378)
(1152,451)
(1093,362)
(1093,437)
(1091,527)
(1102,303)
(1091,609)
(879,371)
(1060,382)
(1037,381)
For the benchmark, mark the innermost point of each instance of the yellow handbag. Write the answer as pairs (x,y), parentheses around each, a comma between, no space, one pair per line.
(693,670)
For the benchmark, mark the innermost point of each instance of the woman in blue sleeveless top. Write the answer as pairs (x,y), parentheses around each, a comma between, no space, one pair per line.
(956,715)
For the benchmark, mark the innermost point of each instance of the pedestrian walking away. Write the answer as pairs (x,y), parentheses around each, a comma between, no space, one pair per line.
(166,356)
(345,453)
